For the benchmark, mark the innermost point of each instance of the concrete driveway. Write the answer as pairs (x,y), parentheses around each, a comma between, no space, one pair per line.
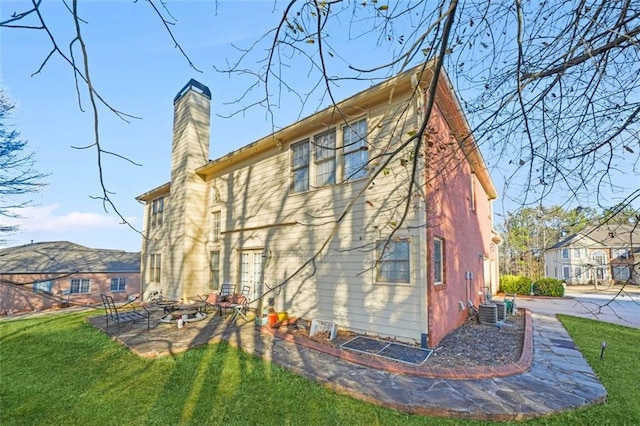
(603,304)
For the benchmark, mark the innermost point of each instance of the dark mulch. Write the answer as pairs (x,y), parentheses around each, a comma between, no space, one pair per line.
(470,345)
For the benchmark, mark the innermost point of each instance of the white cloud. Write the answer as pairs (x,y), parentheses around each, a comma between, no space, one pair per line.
(45,223)
(44,218)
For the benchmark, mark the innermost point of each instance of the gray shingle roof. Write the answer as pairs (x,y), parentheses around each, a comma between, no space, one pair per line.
(607,235)
(65,257)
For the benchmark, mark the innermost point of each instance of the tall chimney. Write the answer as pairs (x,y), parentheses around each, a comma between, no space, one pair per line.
(188,272)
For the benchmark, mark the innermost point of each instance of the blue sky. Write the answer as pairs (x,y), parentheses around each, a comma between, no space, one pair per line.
(137,69)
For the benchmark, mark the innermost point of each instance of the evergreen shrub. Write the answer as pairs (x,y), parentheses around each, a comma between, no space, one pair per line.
(548,287)
(515,284)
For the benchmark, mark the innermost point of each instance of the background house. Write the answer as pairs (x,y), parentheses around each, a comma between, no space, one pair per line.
(52,274)
(408,252)
(599,254)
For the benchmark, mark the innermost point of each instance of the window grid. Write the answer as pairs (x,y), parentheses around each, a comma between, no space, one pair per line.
(566,272)
(438,261)
(325,158)
(154,267)
(118,284)
(214,268)
(621,273)
(43,286)
(157,211)
(215,237)
(355,150)
(394,261)
(80,285)
(300,166)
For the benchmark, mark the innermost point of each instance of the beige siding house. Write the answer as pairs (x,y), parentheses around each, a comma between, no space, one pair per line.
(298,217)
(599,254)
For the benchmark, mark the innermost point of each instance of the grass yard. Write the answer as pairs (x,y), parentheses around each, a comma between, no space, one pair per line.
(59,370)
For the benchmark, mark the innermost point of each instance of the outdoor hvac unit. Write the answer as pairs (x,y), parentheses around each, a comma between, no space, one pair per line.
(488,313)
(502,310)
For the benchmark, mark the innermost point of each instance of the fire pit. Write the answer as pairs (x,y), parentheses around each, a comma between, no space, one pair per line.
(188,313)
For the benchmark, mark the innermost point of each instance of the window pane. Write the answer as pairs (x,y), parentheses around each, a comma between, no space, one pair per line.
(301,180)
(216,227)
(394,261)
(325,158)
(355,152)
(43,286)
(118,284)
(437,261)
(326,173)
(215,270)
(300,166)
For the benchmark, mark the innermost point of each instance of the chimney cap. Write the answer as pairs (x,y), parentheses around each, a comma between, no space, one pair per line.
(193,85)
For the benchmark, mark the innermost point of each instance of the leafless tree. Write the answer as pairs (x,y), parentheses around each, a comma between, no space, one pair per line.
(550,87)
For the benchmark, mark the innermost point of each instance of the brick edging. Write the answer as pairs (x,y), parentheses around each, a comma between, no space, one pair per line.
(459,373)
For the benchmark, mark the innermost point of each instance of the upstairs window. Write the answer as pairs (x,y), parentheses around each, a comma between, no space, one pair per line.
(577,253)
(325,158)
(118,284)
(300,166)
(393,261)
(355,150)
(621,253)
(80,285)
(565,253)
(157,211)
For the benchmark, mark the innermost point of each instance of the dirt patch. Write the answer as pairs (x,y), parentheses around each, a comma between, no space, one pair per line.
(470,345)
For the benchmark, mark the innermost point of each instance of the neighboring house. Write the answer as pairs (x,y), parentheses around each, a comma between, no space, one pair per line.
(599,254)
(39,276)
(259,215)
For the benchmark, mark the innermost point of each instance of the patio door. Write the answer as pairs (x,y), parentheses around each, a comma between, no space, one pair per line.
(251,271)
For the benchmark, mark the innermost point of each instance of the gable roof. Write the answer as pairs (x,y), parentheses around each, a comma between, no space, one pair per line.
(605,235)
(393,88)
(65,257)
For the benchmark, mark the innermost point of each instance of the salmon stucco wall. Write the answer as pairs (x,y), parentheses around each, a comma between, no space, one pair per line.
(458,213)
(17,293)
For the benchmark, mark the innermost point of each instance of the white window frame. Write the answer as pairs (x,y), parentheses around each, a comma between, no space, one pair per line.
(216,218)
(566,272)
(80,286)
(43,286)
(118,284)
(622,253)
(355,151)
(577,252)
(155,267)
(617,276)
(392,266)
(214,270)
(156,212)
(438,261)
(324,158)
(578,270)
(565,253)
(300,166)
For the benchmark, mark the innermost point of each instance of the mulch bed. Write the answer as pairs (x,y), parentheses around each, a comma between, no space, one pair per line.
(470,345)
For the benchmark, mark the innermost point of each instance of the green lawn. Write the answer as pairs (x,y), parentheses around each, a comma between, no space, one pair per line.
(59,370)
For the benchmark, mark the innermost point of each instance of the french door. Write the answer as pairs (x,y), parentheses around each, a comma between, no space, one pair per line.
(251,271)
